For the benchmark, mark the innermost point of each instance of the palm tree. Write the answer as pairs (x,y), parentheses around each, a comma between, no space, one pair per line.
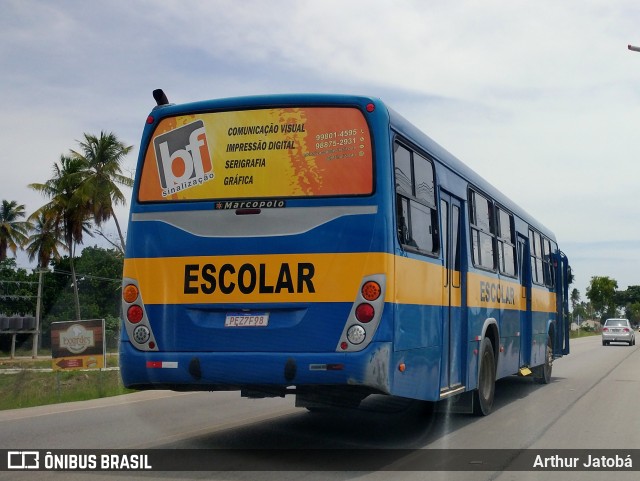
(13,232)
(44,242)
(68,209)
(103,156)
(575,298)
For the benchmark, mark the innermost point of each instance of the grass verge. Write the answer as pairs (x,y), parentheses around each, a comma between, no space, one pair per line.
(24,361)
(582,333)
(35,386)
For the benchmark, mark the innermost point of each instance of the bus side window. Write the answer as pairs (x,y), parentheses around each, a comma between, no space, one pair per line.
(416,214)
(506,243)
(537,268)
(482,231)
(549,278)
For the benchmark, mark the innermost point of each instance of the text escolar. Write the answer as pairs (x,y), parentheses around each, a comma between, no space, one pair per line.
(247,278)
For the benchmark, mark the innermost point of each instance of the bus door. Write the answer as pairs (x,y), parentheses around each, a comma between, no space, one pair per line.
(561,342)
(526,319)
(452,362)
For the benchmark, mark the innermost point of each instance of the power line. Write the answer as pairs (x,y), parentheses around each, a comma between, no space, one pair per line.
(86,276)
(66,273)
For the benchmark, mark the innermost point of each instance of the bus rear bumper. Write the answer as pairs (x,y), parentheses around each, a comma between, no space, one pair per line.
(262,372)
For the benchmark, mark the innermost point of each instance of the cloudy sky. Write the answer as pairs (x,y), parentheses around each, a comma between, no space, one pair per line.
(540,97)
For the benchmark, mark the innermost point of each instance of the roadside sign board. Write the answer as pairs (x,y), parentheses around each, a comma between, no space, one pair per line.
(78,345)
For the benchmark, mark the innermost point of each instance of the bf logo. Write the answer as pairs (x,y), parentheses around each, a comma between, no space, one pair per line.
(183,157)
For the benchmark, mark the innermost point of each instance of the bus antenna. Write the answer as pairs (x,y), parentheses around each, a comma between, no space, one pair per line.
(160,97)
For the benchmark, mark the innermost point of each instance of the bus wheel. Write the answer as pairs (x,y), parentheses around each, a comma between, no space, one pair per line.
(542,374)
(483,395)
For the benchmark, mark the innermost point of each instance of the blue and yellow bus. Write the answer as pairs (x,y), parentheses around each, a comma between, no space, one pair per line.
(323,246)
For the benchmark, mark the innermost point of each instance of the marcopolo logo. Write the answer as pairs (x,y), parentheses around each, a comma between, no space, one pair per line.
(76,339)
(183,158)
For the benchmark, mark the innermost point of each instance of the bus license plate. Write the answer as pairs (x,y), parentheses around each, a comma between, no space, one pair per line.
(247,320)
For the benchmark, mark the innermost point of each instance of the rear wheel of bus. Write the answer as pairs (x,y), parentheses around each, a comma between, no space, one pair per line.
(484,394)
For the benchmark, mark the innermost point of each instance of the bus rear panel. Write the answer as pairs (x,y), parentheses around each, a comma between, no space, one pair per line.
(258,252)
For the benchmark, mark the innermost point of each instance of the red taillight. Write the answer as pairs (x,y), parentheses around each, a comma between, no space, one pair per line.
(365,312)
(626,329)
(135,314)
(150,119)
(606,329)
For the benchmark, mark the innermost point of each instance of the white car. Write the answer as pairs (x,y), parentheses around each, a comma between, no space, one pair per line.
(618,330)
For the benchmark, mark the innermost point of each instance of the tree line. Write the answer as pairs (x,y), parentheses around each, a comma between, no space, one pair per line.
(606,301)
(80,197)
(99,277)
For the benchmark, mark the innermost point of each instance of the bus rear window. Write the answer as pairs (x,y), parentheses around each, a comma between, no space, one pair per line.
(267,153)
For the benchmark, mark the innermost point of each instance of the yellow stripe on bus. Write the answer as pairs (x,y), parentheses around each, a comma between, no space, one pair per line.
(543,300)
(488,292)
(419,282)
(256,278)
(318,278)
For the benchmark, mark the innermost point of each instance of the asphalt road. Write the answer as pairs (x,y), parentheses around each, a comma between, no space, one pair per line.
(591,404)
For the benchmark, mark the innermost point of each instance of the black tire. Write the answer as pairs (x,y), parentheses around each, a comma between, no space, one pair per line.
(484,394)
(542,374)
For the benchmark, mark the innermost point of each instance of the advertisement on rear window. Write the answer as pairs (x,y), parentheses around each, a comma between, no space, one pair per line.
(286,152)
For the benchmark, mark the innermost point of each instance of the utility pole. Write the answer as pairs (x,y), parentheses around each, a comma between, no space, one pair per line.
(36,334)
